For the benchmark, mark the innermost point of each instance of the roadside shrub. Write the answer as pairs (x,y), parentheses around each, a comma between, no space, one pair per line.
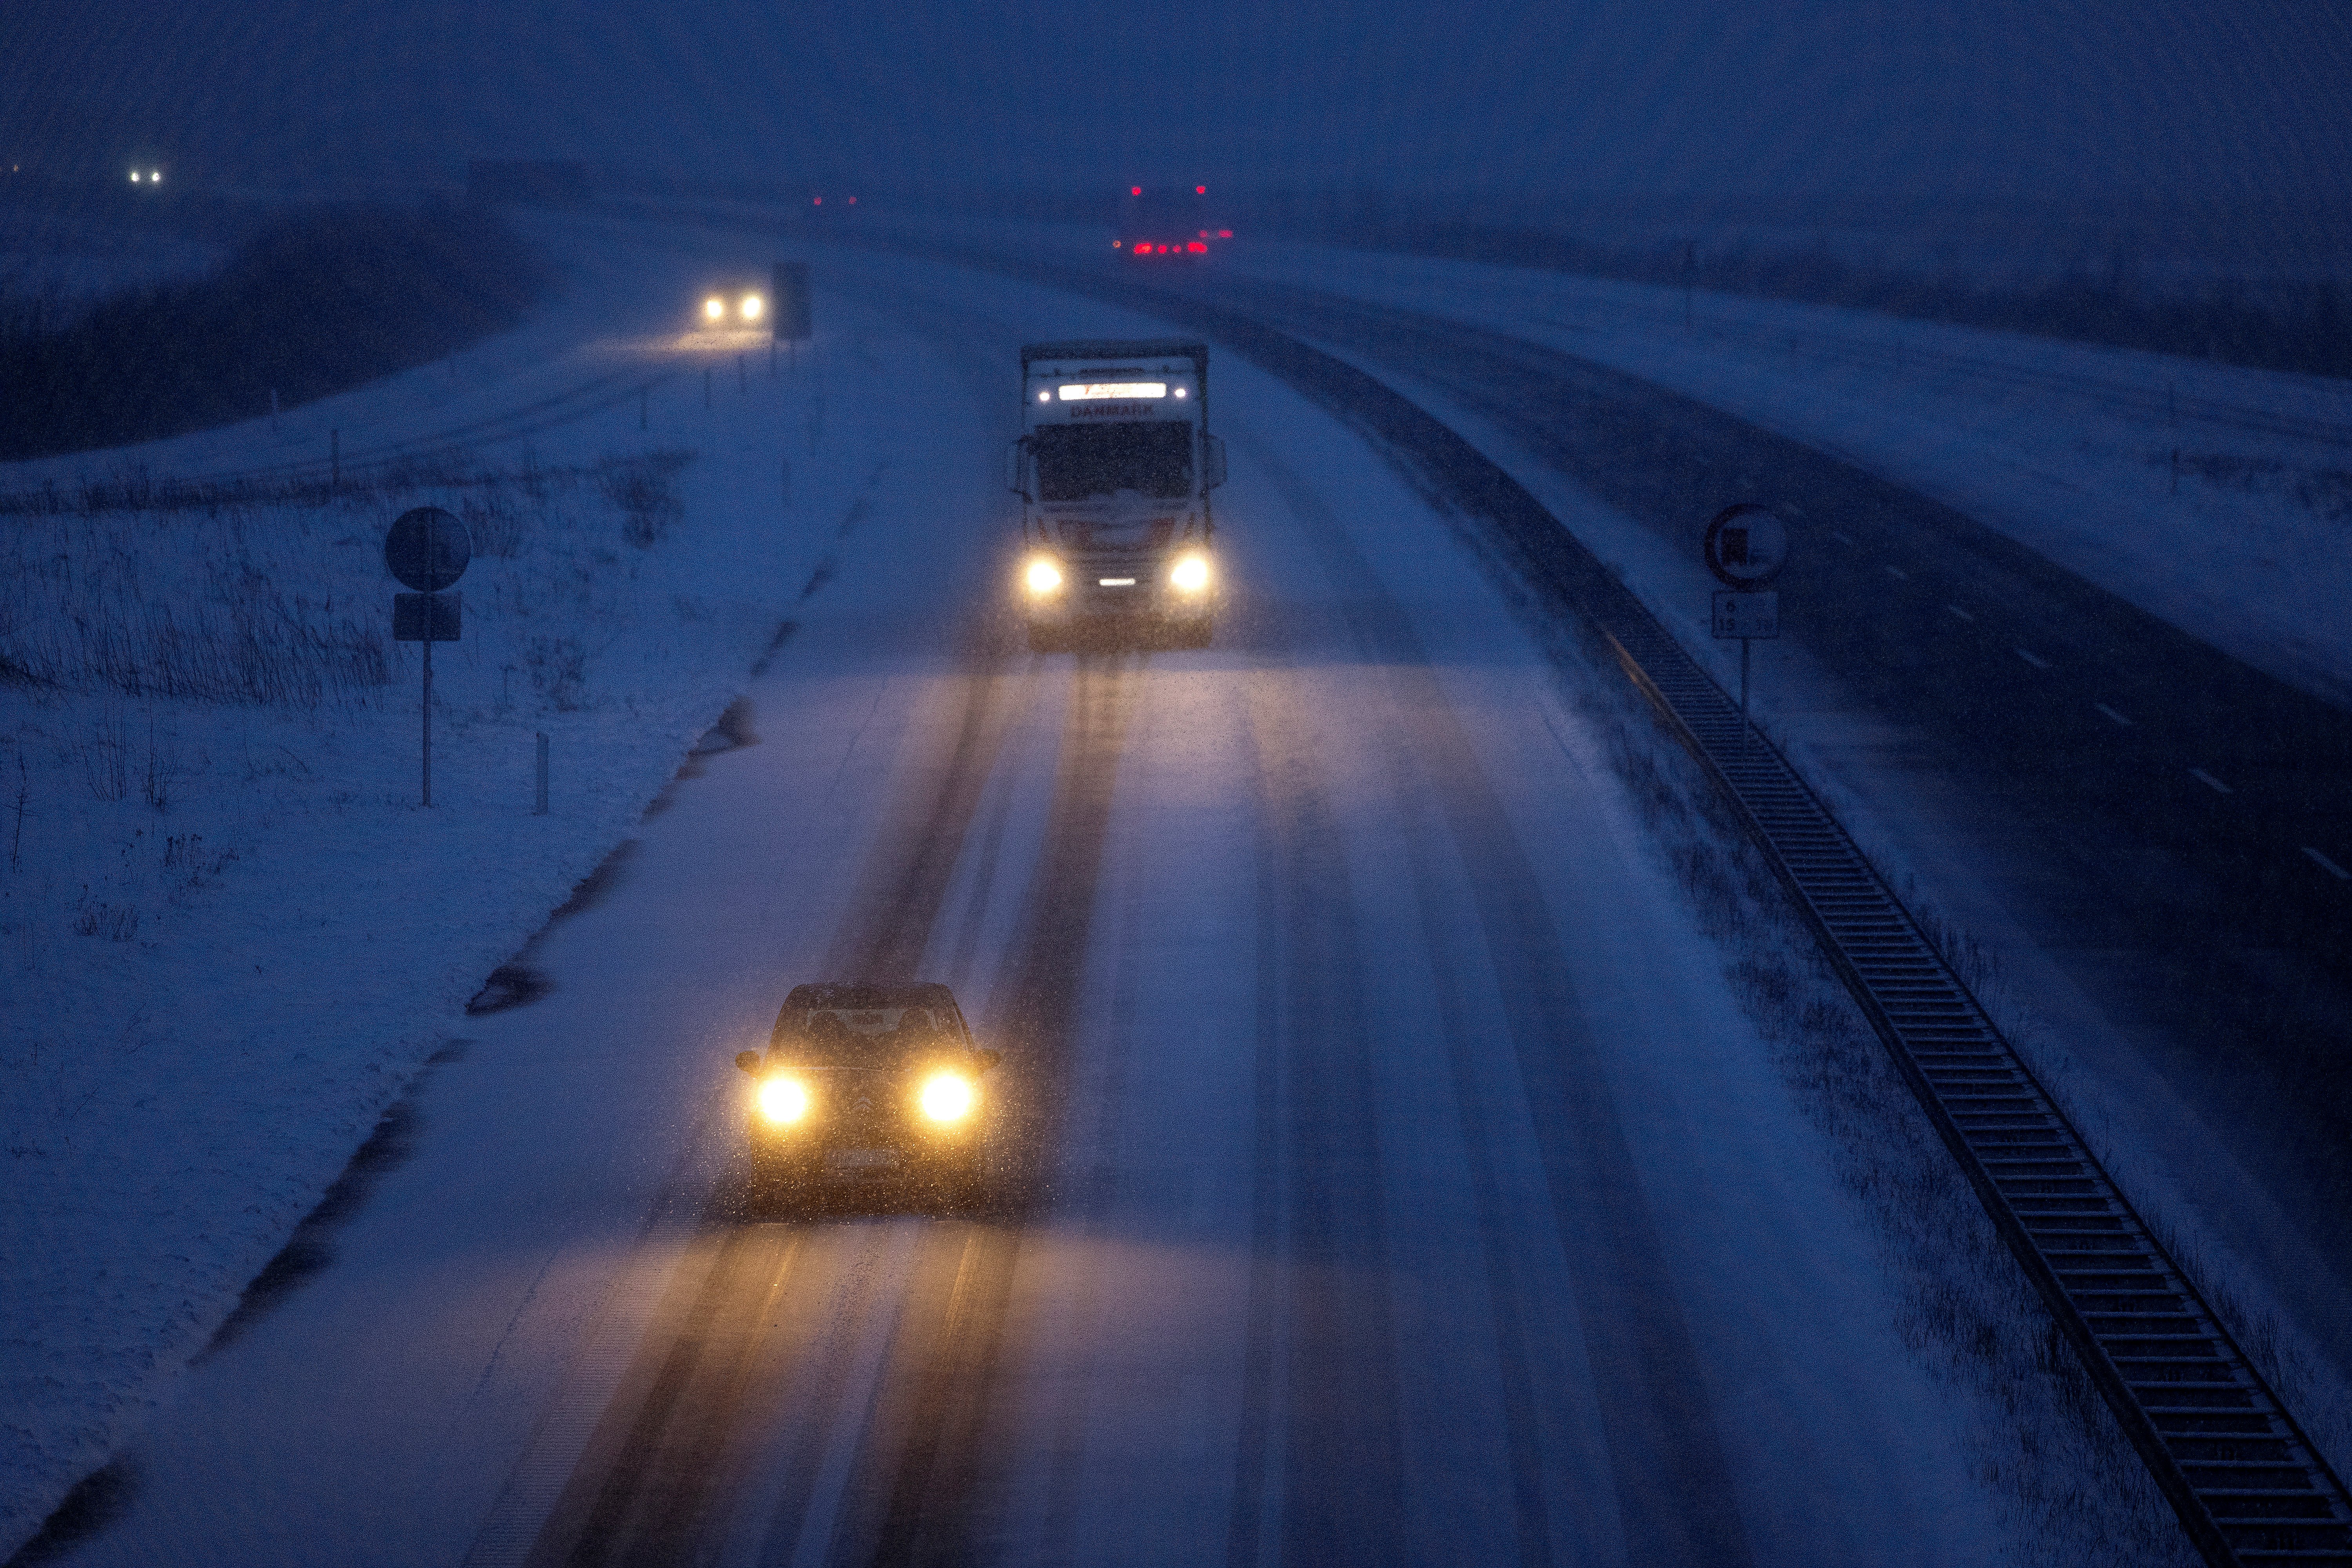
(639,490)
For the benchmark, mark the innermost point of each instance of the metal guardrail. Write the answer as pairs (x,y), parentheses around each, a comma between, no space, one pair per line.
(2247,1484)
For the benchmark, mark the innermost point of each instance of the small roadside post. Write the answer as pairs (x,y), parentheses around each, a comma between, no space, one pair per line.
(1745,546)
(428,550)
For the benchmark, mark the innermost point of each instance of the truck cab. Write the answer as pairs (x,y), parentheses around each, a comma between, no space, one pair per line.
(1114,470)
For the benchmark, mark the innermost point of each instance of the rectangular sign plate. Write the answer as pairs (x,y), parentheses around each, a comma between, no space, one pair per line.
(1755,618)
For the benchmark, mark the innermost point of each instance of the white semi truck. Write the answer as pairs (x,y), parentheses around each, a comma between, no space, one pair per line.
(1114,470)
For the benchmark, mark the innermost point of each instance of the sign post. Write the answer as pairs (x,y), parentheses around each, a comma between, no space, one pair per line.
(428,550)
(1745,546)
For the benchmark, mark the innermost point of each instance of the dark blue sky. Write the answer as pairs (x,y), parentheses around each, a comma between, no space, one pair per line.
(2128,98)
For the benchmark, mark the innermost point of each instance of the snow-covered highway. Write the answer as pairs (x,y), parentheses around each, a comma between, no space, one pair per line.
(1414,1174)
(1438,1145)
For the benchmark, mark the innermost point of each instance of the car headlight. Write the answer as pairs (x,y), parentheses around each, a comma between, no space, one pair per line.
(1190,575)
(752,306)
(1043,576)
(947,1097)
(783,1100)
(714,309)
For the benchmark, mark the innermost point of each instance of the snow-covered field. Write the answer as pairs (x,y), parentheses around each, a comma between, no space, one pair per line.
(228,933)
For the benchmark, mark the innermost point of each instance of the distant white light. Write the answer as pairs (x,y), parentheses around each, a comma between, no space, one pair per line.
(134,176)
(1095,391)
(1180,392)
(714,309)
(752,306)
(1044,398)
(155,176)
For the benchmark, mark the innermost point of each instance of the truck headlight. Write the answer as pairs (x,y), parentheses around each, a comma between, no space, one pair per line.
(1190,575)
(947,1097)
(1042,577)
(752,306)
(783,1100)
(714,309)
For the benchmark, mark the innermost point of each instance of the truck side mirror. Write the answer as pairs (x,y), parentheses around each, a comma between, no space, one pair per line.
(1016,467)
(1212,466)
(748,1060)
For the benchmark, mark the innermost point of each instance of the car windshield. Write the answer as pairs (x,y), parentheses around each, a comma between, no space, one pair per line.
(860,1036)
(1078,462)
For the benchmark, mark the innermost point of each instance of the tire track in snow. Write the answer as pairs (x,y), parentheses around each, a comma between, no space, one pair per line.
(1319,1472)
(932,1485)
(1675,1497)
(940,1344)
(645,1492)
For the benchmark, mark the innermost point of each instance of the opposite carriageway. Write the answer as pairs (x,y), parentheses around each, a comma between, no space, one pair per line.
(2246,1483)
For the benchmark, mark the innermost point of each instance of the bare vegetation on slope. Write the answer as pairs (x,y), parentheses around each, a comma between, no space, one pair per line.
(275,593)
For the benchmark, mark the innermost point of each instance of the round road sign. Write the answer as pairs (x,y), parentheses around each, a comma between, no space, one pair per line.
(428,548)
(1747,546)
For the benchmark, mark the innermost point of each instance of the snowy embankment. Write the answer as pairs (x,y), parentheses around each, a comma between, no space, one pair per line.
(229,934)
(2212,496)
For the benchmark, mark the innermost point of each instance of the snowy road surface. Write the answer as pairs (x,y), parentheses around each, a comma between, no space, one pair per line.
(1409,1185)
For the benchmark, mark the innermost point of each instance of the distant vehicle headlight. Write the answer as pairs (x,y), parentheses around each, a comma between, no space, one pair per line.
(1190,575)
(947,1097)
(752,306)
(1043,576)
(714,309)
(783,1100)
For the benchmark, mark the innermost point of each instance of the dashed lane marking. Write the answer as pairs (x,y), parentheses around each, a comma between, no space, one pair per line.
(2109,712)
(2325,864)
(2035,660)
(1962,614)
(2209,782)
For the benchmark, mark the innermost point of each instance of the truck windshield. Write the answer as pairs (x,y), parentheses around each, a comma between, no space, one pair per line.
(1074,461)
